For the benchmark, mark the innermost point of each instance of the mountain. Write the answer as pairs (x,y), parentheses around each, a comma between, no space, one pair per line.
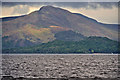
(49,24)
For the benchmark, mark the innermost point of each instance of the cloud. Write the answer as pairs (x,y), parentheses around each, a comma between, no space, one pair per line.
(93,5)
(20,9)
(7,11)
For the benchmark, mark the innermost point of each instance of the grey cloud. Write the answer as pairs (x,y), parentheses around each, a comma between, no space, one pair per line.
(10,4)
(59,0)
(93,5)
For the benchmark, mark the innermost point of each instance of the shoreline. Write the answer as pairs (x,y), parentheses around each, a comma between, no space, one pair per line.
(60,54)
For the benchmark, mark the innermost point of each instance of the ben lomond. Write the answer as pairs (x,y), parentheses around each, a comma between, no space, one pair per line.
(52,23)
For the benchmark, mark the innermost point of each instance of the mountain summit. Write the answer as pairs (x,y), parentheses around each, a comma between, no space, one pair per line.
(51,8)
(48,24)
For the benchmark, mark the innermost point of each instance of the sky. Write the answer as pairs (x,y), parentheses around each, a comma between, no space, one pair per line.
(104,12)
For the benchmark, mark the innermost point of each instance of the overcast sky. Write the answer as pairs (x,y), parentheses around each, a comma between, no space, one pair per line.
(105,12)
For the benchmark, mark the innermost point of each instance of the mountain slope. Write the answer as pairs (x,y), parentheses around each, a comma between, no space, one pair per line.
(69,36)
(43,25)
(26,36)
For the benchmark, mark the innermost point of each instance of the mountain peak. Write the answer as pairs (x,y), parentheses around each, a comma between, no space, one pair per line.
(49,8)
(45,7)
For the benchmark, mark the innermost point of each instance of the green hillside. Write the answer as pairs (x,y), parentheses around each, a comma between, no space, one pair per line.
(88,45)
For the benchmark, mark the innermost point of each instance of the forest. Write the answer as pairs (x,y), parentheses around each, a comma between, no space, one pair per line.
(88,45)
